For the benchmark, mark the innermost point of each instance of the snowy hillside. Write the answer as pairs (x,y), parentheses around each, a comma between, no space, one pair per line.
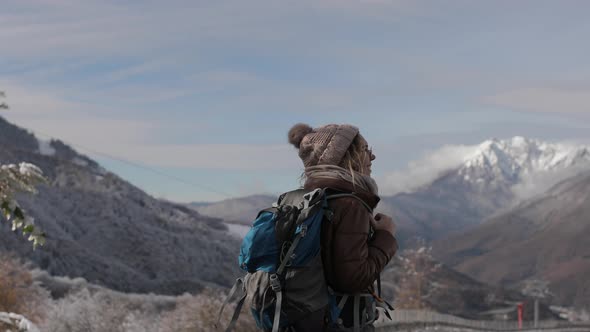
(111,233)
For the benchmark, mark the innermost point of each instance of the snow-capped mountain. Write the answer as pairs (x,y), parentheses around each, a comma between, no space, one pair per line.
(497,163)
(491,177)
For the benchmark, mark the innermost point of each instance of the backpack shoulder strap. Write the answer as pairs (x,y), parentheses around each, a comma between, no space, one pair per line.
(293,197)
(333,196)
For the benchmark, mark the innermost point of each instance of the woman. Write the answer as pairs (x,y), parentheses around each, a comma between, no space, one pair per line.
(355,245)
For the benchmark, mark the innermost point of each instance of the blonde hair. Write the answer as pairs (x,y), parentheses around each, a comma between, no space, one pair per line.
(356,158)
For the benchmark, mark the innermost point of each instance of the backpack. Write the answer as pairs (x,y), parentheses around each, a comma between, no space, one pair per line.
(285,279)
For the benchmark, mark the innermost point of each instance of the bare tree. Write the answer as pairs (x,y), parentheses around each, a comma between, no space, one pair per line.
(22,300)
(417,265)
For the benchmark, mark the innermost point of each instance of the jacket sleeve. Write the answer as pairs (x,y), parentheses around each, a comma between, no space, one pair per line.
(357,261)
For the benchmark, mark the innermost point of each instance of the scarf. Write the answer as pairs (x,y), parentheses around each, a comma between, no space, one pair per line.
(365,182)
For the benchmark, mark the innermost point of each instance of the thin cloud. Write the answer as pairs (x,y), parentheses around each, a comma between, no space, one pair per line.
(425,170)
(212,156)
(547,100)
(538,183)
(49,115)
(169,65)
(99,28)
(385,9)
(52,117)
(150,66)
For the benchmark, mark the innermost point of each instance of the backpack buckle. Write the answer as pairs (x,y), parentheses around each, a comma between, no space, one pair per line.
(275,283)
(329,214)
(310,197)
(303,230)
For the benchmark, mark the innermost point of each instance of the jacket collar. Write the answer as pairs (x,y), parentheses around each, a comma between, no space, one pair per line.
(344,186)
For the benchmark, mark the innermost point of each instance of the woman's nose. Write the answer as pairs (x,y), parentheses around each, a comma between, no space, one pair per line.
(372,156)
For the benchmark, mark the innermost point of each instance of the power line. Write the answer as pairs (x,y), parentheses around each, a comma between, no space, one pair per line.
(138,165)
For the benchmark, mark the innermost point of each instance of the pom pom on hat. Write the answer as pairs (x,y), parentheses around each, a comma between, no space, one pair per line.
(298,132)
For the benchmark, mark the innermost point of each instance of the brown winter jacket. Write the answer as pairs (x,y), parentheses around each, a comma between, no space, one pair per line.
(351,261)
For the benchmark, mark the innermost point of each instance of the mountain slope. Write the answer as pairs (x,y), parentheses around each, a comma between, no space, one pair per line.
(489,179)
(240,210)
(416,280)
(494,176)
(544,238)
(104,229)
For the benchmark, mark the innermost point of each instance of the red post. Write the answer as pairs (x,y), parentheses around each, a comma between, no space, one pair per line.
(520,309)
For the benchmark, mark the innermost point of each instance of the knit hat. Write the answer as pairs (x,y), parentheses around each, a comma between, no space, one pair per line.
(324,145)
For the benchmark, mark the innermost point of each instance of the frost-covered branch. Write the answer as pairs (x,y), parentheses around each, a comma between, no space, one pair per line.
(18,321)
(20,178)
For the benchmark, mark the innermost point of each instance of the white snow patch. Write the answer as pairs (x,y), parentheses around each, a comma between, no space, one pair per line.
(30,170)
(18,321)
(45,147)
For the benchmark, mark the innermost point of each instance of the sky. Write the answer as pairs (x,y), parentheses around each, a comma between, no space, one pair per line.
(192,100)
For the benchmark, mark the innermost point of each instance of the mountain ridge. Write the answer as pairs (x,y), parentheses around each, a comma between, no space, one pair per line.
(112,234)
(542,238)
(487,182)
(102,228)
(241,210)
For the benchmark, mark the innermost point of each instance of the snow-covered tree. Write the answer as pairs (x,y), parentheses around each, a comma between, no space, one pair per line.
(19,178)
(18,321)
